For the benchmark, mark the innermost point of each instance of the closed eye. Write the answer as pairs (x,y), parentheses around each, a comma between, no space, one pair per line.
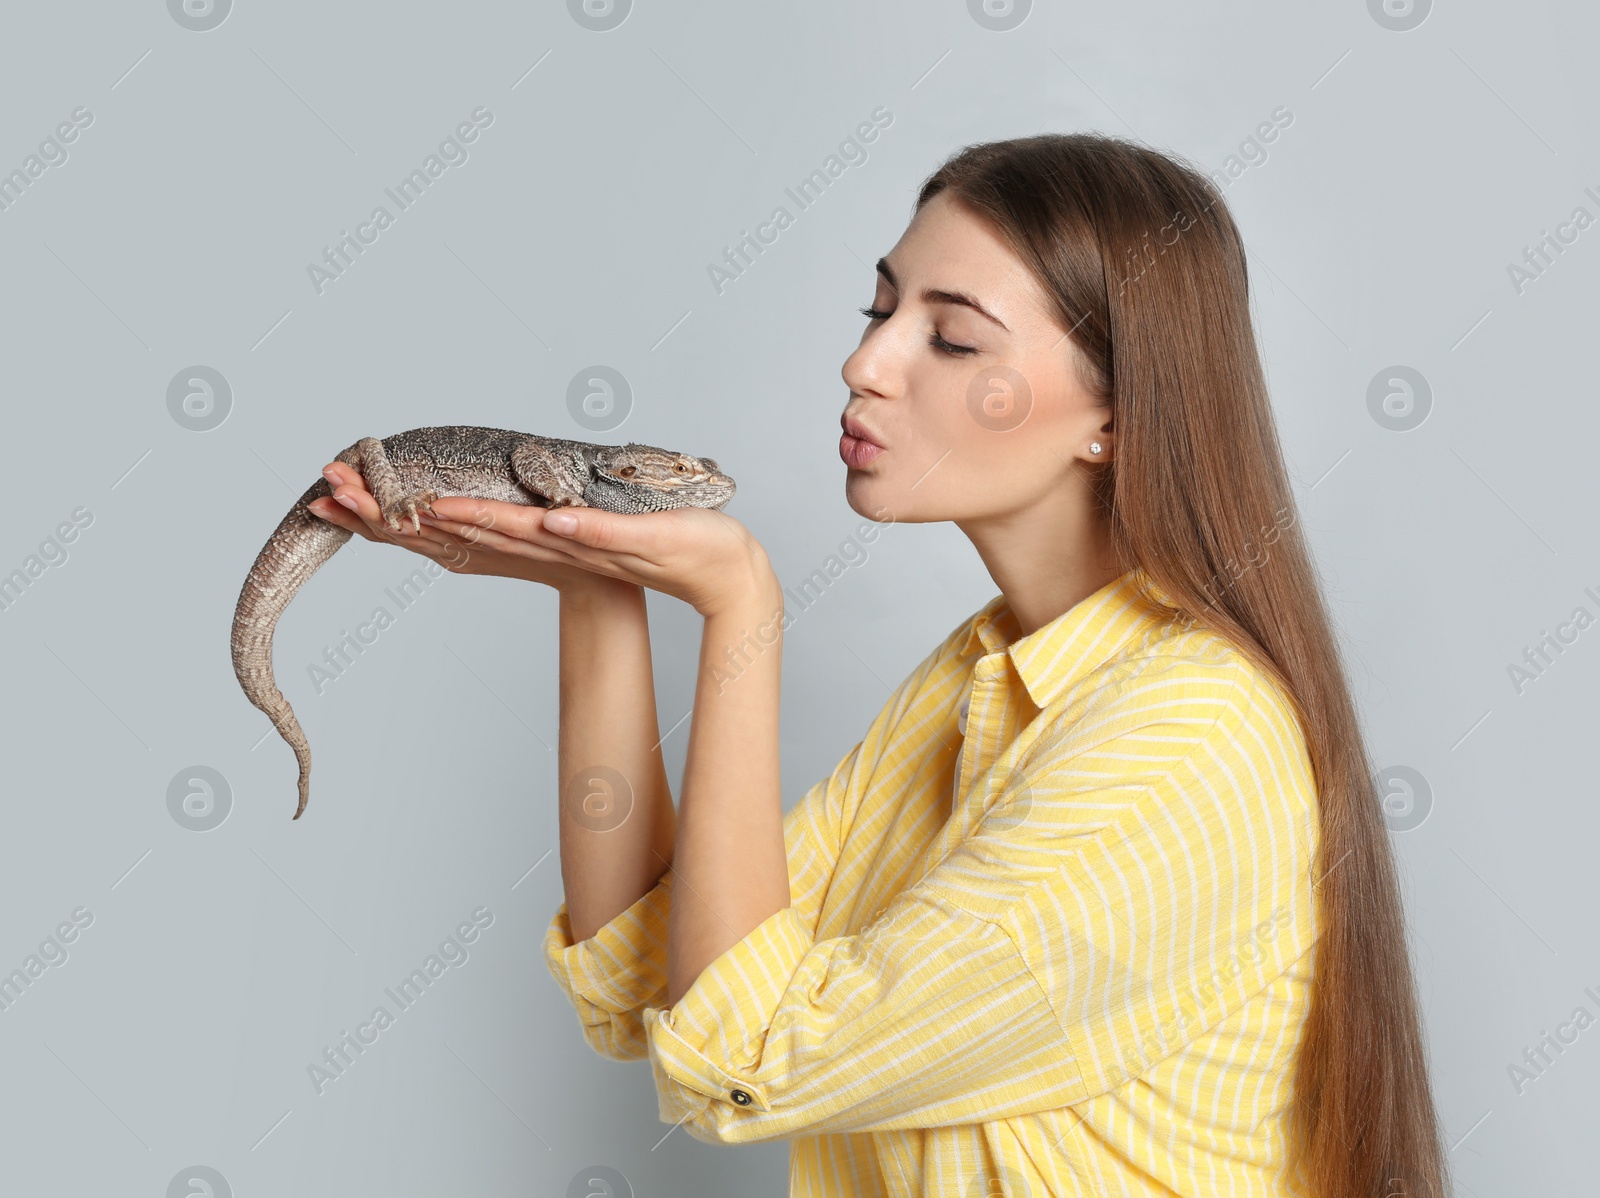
(938,342)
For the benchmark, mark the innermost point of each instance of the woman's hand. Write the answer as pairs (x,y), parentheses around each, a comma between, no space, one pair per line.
(353,508)
(701,556)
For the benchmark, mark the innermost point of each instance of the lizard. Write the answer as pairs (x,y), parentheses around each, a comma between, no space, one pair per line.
(406,473)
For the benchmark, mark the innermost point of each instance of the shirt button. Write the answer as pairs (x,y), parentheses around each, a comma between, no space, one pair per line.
(961,716)
(741,1098)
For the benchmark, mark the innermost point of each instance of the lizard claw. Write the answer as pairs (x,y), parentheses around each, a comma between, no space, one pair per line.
(406,508)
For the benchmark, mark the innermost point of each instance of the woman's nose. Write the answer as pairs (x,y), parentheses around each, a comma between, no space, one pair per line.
(865,370)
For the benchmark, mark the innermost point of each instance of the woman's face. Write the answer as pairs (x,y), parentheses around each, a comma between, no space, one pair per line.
(978,413)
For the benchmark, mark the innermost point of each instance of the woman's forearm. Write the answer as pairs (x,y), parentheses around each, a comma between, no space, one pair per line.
(731,871)
(616,839)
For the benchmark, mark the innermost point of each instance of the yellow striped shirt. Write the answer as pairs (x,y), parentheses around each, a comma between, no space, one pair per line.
(1050,932)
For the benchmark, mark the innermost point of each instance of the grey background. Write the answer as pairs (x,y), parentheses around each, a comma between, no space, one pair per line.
(218,164)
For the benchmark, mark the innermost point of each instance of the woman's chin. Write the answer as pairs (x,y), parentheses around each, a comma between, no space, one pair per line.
(870,498)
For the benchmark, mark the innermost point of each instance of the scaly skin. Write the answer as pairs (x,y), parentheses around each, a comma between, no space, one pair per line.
(409,470)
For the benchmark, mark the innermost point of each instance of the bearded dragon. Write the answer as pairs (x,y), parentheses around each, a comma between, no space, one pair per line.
(406,473)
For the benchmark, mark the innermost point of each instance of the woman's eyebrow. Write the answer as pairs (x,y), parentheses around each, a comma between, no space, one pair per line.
(934,295)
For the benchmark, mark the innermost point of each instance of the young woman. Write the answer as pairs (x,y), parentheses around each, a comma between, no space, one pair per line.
(1102,902)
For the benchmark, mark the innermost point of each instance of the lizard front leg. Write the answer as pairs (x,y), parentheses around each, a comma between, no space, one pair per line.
(394,500)
(560,475)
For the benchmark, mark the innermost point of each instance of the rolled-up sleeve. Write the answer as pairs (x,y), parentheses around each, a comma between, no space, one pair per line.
(920,1020)
(614,975)
(611,976)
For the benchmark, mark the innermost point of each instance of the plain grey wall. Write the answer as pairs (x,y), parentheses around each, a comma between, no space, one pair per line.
(208,169)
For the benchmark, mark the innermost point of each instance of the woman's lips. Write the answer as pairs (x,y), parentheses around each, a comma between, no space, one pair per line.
(856,452)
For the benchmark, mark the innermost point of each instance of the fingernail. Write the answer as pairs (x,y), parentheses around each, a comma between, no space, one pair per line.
(563,522)
(348,502)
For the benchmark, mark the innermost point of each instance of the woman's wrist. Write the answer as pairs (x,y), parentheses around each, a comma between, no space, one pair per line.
(752,586)
(597,592)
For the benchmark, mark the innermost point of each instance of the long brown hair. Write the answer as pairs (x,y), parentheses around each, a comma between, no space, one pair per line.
(1146,270)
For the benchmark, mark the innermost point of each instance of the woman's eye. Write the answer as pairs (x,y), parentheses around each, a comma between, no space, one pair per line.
(935,340)
(940,343)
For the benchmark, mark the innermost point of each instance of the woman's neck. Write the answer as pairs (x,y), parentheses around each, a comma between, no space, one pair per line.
(1047,559)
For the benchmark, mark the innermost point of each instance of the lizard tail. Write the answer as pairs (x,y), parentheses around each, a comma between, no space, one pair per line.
(292,554)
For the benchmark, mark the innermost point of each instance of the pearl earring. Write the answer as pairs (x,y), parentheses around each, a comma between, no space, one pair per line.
(1094,447)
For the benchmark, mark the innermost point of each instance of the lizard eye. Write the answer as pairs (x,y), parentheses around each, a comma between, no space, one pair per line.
(680,468)
(628,471)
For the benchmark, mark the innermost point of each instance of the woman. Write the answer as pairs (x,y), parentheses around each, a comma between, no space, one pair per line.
(1102,901)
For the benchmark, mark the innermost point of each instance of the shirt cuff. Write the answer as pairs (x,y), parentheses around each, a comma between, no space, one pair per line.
(624,964)
(706,1051)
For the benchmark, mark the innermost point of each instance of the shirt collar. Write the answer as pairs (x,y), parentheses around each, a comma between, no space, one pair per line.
(1076,642)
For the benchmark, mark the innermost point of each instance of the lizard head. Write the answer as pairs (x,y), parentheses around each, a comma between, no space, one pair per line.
(681,479)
